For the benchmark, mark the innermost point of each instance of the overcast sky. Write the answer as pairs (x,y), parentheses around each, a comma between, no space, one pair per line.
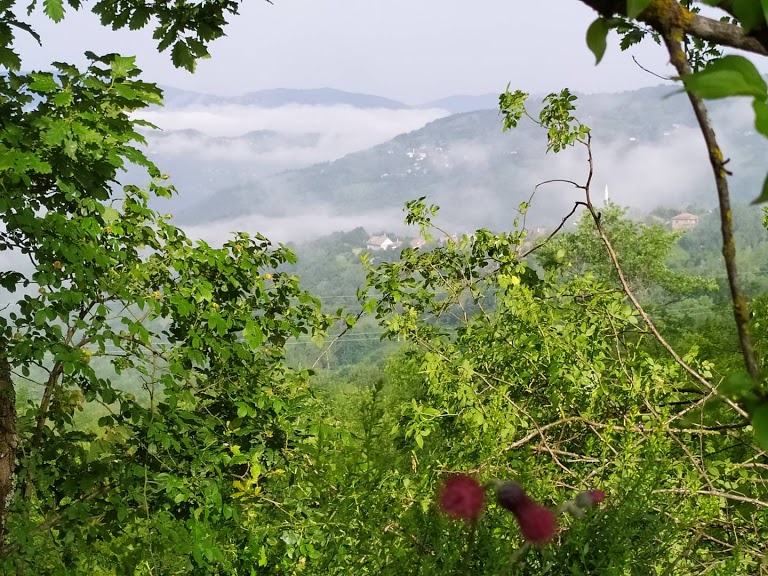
(411,50)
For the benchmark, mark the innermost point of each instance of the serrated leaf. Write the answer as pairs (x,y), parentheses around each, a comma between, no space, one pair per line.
(54,9)
(43,83)
(9,58)
(139,19)
(56,134)
(760,425)
(635,7)
(122,65)
(597,35)
(27,28)
(727,76)
(62,98)
(182,57)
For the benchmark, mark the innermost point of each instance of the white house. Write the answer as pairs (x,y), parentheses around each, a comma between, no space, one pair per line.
(684,221)
(379,243)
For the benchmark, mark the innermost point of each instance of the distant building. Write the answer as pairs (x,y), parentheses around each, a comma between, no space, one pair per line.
(417,243)
(684,221)
(446,239)
(379,243)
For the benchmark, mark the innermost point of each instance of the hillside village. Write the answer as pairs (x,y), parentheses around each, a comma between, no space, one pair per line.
(683,221)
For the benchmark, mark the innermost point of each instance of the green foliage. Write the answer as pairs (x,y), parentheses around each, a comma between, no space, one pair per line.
(728,76)
(154,481)
(644,251)
(512,107)
(552,380)
(597,35)
(563,129)
(168,427)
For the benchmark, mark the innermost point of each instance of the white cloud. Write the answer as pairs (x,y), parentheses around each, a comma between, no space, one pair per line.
(339,130)
(311,222)
(366,126)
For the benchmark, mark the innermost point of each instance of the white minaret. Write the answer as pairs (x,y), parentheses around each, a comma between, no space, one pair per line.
(607,199)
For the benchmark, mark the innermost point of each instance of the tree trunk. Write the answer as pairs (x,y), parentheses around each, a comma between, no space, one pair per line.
(7,441)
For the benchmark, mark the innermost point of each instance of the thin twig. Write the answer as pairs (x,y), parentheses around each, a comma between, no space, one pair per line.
(630,294)
(726,495)
(342,333)
(651,72)
(556,230)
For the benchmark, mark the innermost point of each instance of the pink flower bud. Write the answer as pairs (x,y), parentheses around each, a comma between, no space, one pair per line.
(538,523)
(589,498)
(462,497)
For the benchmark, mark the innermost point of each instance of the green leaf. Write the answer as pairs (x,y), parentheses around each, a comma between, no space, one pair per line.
(140,18)
(54,9)
(761,116)
(749,14)
(9,58)
(635,7)
(181,56)
(43,83)
(761,125)
(764,4)
(763,193)
(56,134)
(760,425)
(122,65)
(597,34)
(110,215)
(727,76)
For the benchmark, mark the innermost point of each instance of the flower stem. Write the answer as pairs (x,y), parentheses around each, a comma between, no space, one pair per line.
(465,566)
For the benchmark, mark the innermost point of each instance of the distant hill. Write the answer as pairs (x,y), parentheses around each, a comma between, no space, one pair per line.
(258,139)
(479,174)
(465,103)
(275,98)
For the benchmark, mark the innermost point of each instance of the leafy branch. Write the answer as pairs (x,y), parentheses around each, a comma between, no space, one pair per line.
(667,14)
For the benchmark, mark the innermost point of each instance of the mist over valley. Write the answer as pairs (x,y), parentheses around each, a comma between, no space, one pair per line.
(295,164)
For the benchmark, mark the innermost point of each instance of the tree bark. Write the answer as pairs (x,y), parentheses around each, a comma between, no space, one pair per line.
(8,440)
(667,14)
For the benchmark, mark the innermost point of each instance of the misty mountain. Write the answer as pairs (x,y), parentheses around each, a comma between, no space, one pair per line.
(199,163)
(465,103)
(275,98)
(646,144)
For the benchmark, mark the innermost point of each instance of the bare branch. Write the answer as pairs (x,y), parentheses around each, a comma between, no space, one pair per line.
(630,294)
(726,495)
(740,313)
